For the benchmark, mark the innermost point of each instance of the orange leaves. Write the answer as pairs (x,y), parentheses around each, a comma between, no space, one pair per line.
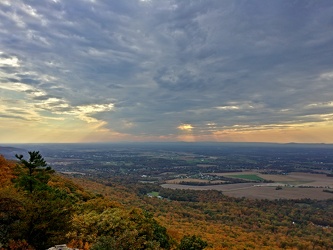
(6,172)
(19,245)
(101,204)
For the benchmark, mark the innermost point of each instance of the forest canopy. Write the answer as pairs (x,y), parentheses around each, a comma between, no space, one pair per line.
(40,209)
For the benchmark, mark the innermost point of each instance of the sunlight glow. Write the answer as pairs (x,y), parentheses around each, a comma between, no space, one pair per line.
(186,127)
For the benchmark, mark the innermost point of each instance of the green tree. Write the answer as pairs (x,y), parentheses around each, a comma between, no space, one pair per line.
(106,243)
(46,212)
(46,218)
(117,228)
(192,243)
(37,171)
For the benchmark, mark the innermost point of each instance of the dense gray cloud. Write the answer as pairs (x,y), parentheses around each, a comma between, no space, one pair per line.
(150,66)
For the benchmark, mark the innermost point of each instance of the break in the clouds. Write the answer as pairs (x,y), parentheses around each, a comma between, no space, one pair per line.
(165,70)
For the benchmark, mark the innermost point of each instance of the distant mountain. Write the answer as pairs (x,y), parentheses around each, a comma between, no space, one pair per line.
(9,152)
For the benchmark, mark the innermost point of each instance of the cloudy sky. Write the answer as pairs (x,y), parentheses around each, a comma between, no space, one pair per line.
(166,70)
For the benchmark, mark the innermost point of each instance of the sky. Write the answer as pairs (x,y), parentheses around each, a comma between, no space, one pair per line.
(166,70)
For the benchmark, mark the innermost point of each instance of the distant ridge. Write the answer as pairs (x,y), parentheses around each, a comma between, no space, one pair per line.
(9,152)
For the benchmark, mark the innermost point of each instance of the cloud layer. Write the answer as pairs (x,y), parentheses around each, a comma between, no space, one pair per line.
(164,70)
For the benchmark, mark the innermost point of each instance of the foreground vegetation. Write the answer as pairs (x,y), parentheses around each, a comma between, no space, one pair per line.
(40,208)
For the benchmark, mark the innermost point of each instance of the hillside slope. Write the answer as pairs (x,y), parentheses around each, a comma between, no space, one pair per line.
(40,209)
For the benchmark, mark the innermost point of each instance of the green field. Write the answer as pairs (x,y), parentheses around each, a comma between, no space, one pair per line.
(154,194)
(251,177)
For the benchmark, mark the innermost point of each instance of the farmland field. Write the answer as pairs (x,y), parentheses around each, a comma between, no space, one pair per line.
(250,177)
(154,194)
(298,179)
(179,180)
(294,186)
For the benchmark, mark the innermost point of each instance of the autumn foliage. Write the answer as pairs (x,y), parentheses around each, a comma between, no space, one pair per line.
(6,172)
(115,214)
(225,222)
(40,209)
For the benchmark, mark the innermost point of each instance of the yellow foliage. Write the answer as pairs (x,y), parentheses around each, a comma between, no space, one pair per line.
(6,172)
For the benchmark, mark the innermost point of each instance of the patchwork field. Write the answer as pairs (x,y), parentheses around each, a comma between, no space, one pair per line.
(250,177)
(298,179)
(292,186)
(294,179)
(179,180)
